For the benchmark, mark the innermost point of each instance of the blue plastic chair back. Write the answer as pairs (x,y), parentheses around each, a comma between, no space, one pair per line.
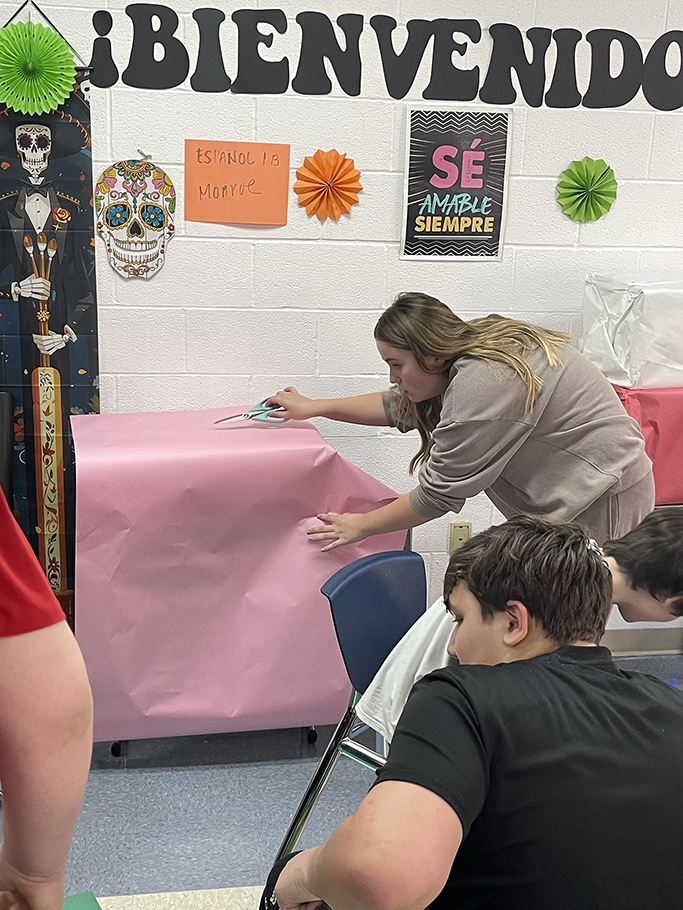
(374,601)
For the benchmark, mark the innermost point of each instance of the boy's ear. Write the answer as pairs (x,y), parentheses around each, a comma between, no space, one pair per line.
(672,604)
(518,623)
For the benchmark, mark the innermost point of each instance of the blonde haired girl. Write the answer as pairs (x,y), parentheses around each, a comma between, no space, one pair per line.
(501,406)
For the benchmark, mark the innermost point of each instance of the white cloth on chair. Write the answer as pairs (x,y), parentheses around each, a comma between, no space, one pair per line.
(421,650)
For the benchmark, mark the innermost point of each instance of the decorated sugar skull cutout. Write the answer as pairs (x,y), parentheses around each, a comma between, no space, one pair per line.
(34,144)
(135,203)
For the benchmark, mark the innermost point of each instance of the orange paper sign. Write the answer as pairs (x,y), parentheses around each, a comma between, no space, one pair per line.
(236,182)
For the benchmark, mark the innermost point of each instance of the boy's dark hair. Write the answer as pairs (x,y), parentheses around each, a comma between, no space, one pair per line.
(553,568)
(652,554)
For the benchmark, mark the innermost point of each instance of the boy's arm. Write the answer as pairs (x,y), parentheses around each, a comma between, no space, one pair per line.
(395,853)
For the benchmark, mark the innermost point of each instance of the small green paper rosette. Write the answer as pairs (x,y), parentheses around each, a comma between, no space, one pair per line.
(587,189)
(37,70)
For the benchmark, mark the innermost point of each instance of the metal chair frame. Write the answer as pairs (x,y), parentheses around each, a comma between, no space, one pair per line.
(342,741)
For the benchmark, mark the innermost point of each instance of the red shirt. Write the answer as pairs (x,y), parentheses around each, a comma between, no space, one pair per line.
(27,601)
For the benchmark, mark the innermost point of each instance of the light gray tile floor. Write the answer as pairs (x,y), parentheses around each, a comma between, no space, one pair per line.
(178,829)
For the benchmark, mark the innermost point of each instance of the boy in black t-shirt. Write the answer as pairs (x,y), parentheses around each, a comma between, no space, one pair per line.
(534,776)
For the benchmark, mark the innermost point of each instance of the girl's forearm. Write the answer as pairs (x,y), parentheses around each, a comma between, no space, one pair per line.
(363,409)
(399,515)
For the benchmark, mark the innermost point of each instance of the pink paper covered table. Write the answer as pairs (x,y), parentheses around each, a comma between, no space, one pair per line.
(659,413)
(198,605)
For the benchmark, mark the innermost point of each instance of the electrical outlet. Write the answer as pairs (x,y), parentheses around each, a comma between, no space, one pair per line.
(460,532)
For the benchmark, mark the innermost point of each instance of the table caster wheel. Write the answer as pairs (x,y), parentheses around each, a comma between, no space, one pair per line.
(312,735)
(116,749)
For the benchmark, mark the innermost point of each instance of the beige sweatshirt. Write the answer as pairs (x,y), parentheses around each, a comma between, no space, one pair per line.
(576,444)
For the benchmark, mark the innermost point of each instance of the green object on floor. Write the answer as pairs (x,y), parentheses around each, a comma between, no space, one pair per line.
(85,901)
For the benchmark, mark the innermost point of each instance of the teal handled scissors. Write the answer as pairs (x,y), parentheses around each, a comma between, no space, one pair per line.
(257,412)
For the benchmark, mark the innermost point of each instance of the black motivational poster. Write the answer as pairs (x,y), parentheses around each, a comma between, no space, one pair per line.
(456,167)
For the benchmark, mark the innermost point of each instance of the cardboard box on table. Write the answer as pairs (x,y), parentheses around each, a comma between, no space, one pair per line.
(198,604)
(633,332)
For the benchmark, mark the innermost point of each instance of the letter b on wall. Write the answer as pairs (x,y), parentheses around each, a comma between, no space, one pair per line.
(143,70)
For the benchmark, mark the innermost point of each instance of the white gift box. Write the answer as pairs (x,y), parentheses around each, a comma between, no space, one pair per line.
(633,328)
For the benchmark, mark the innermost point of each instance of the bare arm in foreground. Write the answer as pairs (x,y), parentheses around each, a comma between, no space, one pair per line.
(395,853)
(45,748)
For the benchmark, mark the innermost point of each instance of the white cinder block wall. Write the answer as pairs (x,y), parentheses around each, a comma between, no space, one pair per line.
(238,312)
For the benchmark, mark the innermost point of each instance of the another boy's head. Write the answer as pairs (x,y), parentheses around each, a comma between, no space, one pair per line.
(524,588)
(647,567)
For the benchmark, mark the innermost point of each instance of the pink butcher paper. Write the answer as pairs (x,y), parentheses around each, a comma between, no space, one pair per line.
(198,604)
(659,413)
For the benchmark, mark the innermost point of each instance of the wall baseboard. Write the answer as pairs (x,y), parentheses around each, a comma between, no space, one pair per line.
(623,642)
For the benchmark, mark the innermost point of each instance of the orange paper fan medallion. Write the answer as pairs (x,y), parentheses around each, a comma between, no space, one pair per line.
(328,184)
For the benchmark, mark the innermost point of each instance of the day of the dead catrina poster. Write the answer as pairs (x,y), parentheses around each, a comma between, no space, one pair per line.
(48,320)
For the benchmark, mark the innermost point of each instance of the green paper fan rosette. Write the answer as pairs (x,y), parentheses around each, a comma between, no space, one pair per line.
(587,189)
(37,70)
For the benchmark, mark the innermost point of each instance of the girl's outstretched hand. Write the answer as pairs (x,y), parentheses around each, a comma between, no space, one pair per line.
(292,404)
(340,529)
